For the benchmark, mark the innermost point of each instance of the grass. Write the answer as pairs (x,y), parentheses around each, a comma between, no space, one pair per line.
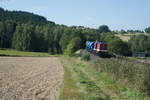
(77,86)
(129,72)
(115,90)
(86,83)
(7,52)
(70,89)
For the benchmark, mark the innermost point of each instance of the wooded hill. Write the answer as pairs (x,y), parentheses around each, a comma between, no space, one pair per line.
(30,32)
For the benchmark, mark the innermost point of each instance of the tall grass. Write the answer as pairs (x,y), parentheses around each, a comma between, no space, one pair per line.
(131,73)
(93,84)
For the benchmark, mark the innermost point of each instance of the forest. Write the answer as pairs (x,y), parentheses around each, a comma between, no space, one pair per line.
(26,31)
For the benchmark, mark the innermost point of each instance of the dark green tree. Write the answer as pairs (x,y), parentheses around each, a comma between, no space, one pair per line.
(2,34)
(57,36)
(65,39)
(49,37)
(10,29)
(147,30)
(41,43)
(119,47)
(123,31)
(140,43)
(23,38)
(103,29)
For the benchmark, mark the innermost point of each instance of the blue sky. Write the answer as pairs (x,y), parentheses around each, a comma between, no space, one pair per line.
(117,14)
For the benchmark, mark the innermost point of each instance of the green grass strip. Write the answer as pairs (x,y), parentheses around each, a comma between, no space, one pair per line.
(77,86)
(23,54)
(115,90)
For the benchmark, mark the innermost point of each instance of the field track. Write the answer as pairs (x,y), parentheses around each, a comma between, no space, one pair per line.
(30,78)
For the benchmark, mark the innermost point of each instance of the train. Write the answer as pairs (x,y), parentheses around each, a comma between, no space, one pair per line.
(97,47)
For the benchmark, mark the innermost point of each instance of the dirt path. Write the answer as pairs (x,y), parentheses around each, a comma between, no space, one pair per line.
(30,78)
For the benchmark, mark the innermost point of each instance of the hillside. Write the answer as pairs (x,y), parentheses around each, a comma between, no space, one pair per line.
(22,17)
(26,31)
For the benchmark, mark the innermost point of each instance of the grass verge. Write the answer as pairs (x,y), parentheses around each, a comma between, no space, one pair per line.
(77,86)
(23,54)
(85,83)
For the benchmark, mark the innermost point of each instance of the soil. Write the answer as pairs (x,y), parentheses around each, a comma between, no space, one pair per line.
(30,78)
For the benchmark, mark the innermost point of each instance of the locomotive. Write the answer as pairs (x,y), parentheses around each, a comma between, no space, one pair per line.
(97,47)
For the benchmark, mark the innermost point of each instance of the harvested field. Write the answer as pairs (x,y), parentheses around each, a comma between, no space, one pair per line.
(123,37)
(30,78)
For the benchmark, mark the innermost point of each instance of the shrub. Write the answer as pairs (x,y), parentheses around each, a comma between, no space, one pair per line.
(73,46)
(85,57)
(119,47)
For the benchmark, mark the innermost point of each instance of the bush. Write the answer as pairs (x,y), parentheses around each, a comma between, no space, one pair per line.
(119,47)
(73,46)
(85,57)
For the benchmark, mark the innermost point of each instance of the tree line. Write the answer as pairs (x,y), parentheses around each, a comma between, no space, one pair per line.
(29,32)
(40,35)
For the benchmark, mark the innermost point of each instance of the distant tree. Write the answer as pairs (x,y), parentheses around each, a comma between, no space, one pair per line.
(17,38)
(7,29)
(23,38)
(135,31)
(114,32)
(41,43)
(123,31)
(108,37)
(10,29)
(147,30)
(119,47)
(140,43)
(130,31)
(1,10)
(49,37)
(103,29)
(2,34)
(57,36)
(65,39)
(91,34)
(138,31)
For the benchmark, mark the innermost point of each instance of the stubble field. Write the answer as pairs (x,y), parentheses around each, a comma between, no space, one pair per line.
(30,78)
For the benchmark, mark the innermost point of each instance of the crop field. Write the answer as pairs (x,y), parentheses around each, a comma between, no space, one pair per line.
(30,78)
(123,37)
(127,37)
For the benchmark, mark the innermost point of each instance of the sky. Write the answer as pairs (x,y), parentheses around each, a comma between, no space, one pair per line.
(117,14)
